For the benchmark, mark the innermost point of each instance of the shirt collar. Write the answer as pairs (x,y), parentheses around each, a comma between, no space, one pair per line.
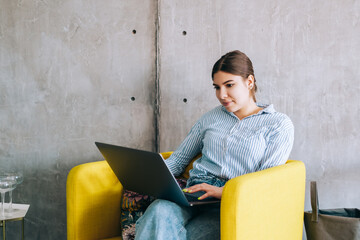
(266,108)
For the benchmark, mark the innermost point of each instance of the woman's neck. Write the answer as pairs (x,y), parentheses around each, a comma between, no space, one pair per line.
(248,110)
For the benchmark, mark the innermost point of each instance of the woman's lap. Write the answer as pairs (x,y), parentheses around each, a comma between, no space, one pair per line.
(164,219)
(205,225)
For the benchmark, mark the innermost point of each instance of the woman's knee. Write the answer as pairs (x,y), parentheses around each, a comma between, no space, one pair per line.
(166,211)
(161,220)
(162,208)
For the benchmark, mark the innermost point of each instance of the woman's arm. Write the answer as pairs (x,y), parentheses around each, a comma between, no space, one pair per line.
(188,149)
(279,145)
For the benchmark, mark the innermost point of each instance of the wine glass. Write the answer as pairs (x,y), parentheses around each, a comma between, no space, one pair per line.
(6,184)
(18,178)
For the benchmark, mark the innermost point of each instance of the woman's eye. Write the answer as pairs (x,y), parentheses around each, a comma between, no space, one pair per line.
(229,85)
(216,87)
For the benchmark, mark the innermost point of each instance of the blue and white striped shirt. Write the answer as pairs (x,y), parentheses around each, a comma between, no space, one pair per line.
(231,147)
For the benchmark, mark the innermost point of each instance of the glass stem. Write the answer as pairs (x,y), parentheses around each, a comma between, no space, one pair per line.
(2,203)
(10,201)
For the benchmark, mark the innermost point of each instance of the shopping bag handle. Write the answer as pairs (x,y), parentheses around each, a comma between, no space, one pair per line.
(314,202)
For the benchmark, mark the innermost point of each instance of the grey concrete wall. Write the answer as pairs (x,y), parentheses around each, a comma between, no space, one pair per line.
(68,71)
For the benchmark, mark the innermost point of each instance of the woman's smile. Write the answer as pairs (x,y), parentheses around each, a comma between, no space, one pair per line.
(226,103)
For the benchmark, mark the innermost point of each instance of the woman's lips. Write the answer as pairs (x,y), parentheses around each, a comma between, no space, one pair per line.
(225,104)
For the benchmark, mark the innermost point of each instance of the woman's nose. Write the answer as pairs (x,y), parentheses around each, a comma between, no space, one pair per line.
(222,93)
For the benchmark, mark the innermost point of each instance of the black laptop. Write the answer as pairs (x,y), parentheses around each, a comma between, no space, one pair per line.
(146,173)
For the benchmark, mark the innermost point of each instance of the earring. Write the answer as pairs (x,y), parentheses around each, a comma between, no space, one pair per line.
(251,86)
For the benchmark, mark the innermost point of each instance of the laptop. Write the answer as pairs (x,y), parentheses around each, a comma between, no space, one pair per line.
(146,173)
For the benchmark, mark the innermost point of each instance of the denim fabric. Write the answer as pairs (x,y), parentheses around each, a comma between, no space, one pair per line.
(165,220)
(209,179)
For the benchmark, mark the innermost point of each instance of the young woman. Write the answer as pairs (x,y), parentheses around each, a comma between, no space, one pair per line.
(239,137)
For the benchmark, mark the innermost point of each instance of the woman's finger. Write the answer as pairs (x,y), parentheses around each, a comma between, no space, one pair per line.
(204,196)
(202,187)
(196,188)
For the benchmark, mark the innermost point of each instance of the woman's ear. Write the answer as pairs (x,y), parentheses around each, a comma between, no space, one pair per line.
(250,82)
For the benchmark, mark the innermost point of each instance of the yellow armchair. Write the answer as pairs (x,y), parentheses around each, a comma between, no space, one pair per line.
(268,204)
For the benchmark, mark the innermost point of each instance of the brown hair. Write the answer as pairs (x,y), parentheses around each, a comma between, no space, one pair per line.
(236,63)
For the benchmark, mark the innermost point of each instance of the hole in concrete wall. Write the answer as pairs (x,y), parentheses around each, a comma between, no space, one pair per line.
(185,100)
(132,98)
(134,31)
(184,33)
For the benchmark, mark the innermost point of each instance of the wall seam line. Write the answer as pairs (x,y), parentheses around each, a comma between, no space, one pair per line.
(157,77)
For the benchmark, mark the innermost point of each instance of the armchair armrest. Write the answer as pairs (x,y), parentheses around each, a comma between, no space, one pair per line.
(93,199)
(268,204)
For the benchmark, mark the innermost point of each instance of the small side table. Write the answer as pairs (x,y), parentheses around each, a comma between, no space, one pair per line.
(18,214)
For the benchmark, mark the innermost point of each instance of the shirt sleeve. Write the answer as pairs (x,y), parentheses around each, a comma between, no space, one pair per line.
(188,149)
(279,145)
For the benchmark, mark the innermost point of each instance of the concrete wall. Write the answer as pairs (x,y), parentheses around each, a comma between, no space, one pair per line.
(68,71)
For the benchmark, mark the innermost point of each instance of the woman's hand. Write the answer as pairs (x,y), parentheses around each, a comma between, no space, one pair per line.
(211,191)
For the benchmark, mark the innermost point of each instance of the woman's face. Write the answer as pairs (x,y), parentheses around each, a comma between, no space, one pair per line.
(233,91)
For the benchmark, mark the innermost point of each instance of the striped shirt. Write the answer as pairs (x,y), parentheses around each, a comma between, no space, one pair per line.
(232,147)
